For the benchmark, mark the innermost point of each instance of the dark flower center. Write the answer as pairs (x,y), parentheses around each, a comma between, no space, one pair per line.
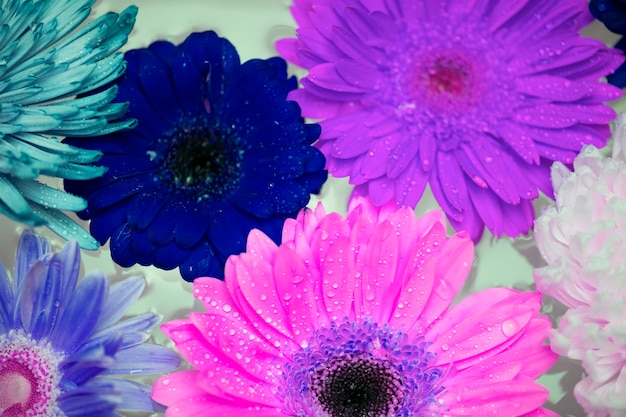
(358,369)
(204,159)
(358,387)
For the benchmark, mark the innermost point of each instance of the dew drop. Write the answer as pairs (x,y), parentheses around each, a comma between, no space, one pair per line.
(510,327)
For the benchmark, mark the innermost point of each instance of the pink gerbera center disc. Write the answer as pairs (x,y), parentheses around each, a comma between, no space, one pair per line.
(29,377)
(447,78)
(448,81)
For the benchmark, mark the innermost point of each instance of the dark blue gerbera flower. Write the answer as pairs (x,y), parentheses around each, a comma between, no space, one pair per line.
(217,152)
(613,14)
(61,345)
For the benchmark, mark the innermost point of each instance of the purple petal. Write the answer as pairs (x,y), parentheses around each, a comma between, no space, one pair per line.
(381,190)
(564,115)
(359,75)
(520,139)
(410,184)
(452,180)
(376,28)
(353,47)
(327,77)
(553,87)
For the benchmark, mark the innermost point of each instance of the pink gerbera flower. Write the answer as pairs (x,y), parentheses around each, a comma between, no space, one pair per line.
(474,97)
(351,317)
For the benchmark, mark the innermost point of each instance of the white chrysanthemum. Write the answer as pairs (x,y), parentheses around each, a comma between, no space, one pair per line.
(53,77)
(583,240)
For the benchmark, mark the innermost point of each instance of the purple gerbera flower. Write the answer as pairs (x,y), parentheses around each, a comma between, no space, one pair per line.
(61,345)
(474,98)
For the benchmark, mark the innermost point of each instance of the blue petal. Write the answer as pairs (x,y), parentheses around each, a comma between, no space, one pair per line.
(120,298)
(188,76)
(102,226)
(82,313)
(132,331)
(145,359)
(135,396)
(90,401)
(90,361)
(157,84)
(30,248)
(143,208)
(204,261)
(6,301)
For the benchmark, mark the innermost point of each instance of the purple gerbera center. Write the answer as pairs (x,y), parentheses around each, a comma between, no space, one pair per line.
(29,377)
(361,369)
(200,159)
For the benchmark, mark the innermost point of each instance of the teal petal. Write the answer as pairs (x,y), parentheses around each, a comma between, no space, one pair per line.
(55,75)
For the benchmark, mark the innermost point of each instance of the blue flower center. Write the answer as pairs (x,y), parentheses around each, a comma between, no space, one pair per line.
(356,369)
(203,159)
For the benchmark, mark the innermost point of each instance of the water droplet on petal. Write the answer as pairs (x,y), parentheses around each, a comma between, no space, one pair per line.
(510,327)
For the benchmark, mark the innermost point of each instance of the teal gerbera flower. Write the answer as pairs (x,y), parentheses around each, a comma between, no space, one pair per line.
(51,73)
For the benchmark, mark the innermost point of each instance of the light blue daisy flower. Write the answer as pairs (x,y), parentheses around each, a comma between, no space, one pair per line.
(62,348)
(53,73)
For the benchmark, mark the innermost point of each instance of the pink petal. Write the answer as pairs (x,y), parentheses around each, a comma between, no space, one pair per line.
(337,275)
(452,267)
(296,286)
(260,244)
(379,284)
(210,406)
(232,385)
(190,343)
(473,329)
(254,292)
(541,412)
(226,339)
(413,297)
(177,386)
(509,399)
